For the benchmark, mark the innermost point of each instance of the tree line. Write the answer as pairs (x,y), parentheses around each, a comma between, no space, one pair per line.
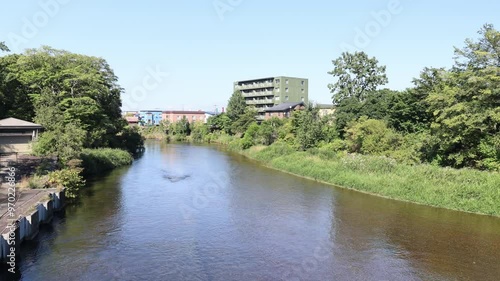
(450,117)
(76,98)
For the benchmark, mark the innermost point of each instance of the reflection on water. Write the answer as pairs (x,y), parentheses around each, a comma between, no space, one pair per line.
(185,212)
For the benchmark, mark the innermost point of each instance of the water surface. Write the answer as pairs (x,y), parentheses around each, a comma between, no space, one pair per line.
(184,212)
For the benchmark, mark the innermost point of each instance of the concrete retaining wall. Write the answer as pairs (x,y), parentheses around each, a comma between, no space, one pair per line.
(27,227)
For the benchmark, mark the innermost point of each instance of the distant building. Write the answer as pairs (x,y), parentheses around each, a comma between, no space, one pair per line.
(150,117)
(283,110)
(16,135)
(176,115)
(132,120)
(268,92)
(325,109)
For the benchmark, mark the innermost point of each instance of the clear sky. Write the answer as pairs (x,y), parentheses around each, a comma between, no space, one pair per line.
(206,45)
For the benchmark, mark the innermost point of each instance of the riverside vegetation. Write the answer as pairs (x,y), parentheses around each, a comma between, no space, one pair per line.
(76,99)
(437,143)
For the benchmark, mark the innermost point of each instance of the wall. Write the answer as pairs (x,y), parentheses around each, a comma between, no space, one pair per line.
(28,226)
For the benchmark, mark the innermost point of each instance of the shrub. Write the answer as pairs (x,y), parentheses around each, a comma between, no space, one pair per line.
(98,160)
(67,178)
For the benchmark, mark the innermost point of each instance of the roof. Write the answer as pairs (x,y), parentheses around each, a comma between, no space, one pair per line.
(325,106)
(14,123)
(284,106)
(132,119)
(184,112)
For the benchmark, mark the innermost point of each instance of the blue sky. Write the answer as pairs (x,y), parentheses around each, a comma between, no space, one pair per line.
(205,45)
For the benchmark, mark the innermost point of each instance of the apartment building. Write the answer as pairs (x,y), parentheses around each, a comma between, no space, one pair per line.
(192,116)
(268,92)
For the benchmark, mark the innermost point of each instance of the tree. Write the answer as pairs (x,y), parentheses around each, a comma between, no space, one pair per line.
(466,106)
(480,54)
(219,122)
(241,124)
(4,47)
(236,105)
(76,87)
(14,97)
(356,75)
(307,127)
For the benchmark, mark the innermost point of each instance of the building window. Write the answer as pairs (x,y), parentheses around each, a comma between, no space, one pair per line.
(303,91)
(277,90)
(194,118)
(302,83)
(302,98)
(277,81)
(178,117)
(277,98)
(286,90)
(286,81)
(286,98)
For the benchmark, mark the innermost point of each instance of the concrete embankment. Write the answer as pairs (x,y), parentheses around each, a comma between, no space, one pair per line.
(35,211)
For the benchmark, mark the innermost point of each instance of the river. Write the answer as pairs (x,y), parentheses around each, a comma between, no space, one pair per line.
(186,212)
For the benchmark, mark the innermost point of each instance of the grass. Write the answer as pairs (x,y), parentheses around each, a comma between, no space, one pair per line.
(464,190)
(95,161)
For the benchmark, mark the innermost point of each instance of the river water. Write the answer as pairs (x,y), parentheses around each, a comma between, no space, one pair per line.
(184,212)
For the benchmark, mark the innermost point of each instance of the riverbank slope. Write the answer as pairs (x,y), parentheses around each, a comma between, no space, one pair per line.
(462,190)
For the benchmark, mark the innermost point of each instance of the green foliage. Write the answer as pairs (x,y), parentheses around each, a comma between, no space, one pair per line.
(66,142)
(236,106)
(307,127)
(130,139)
(357,75)
(199,132)
(465,190)
(219,122)
(370,136)
(95,161)
(4,47)
(268,131)
(466,108)
(14,98)
(69,179)
(248,139)
(181,129)
(241,124)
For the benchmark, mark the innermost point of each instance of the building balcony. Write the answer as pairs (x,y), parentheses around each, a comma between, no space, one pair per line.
(258,94)
(254,86)
(265,101)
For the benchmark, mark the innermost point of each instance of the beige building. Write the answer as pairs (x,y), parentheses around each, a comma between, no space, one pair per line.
(16,135)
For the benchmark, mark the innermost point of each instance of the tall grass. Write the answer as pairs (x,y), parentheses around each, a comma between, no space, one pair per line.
(465,190)
(95,161)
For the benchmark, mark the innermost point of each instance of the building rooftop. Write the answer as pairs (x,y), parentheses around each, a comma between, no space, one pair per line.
(14,123)
(184,112)
(132,119)
(284,106)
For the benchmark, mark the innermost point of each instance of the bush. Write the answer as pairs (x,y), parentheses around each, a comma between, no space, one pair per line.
(69,179)
(95,161)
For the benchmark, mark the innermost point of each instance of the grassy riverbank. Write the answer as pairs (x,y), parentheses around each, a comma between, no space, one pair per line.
(464,190)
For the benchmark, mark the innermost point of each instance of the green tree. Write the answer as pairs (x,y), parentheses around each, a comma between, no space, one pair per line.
(182,128)
(4,47)
(466,106)
(219,122)
(240,125)
(269,130)
(307,127)
(236,106)
(357,75)
(14,97)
